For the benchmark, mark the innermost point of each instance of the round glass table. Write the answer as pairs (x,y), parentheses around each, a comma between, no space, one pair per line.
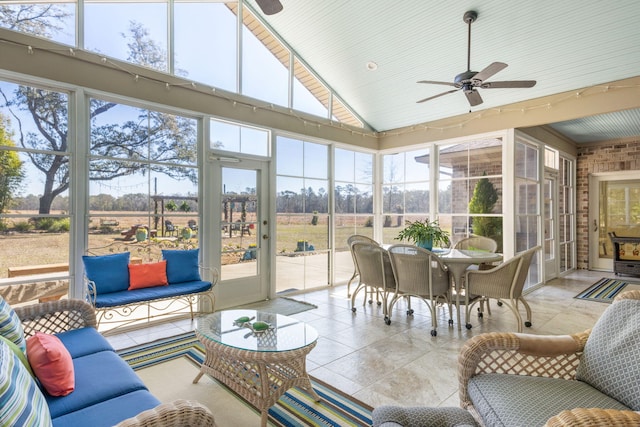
(258,365)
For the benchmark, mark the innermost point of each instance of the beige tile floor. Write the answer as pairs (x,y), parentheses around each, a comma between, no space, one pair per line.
(402,363)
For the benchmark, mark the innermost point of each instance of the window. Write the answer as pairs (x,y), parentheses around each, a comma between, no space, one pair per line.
(470,189)
(52,20)
(405,190)
(229,136)
(265,63)
(131,31)
(302,209)
(527,198)
(566,215)
(143,175)
(35,160)
(206,43)
(353,199)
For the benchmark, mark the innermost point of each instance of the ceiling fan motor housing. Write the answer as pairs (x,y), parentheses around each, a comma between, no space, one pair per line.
(466,77)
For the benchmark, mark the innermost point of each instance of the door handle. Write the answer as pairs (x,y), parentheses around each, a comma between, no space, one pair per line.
(265,237)
(595,225)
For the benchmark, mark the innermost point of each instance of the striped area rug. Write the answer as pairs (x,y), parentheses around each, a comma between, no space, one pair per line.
(604,290)
(295,408)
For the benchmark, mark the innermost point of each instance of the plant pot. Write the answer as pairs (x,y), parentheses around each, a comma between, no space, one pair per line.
(141,234)
(426,244)
(186,233)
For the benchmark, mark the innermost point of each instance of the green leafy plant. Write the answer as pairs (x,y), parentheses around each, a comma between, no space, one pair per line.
(171,206)
(422,232)
(184,207)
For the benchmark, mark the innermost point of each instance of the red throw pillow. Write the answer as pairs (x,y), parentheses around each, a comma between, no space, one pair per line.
(52,363)
(148,275)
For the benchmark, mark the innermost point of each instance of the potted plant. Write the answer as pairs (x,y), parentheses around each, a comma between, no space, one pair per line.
(141,234)
(186,233)
(425,234)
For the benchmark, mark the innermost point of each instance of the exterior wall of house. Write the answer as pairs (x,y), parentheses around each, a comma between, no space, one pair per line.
(610,156)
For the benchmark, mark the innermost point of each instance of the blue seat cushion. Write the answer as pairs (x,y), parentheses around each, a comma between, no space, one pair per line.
(109,412)
(182,265)
(504,400)
(115,299)
(110,273)
(84,341)
(99,377)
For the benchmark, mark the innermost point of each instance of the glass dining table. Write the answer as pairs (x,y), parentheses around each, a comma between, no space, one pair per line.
(457,261)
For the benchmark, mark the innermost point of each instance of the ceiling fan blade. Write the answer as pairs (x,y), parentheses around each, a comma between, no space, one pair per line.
(270,7)
(432,82)
(473,97)
(490,71)
(437,96)
(508,84)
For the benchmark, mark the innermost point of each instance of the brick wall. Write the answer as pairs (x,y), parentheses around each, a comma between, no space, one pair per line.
(603,157)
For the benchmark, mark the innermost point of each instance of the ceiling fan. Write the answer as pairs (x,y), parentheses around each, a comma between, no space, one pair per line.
(270,7)
(470,81)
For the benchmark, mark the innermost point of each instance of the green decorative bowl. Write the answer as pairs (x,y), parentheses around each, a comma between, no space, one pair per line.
(260,326)
(242,320)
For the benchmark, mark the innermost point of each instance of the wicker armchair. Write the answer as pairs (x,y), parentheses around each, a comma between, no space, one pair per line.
(419,273)
(350,241)
(490,364)
(68,314)
(374,272)
(504,283)
(477,243)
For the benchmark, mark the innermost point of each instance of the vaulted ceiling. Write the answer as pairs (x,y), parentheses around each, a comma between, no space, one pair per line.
(563,45)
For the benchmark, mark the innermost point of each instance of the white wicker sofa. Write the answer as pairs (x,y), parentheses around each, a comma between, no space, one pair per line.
(590,378)
(107,391)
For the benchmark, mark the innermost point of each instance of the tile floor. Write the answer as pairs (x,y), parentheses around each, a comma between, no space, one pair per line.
(402,363)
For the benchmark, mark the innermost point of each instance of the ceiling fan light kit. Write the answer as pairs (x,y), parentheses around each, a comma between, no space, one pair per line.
(469,81)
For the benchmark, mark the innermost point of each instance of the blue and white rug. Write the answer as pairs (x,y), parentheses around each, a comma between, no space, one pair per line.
(168,367)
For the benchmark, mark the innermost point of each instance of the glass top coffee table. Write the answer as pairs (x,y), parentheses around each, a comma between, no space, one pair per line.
(258,365)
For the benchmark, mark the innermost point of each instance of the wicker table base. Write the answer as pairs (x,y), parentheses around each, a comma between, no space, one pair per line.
(243,370)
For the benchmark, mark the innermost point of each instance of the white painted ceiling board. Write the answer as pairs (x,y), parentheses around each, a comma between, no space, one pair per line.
(564,45)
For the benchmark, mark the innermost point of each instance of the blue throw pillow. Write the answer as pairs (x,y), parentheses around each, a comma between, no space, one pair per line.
(182,266)
(11,326)
(110,273)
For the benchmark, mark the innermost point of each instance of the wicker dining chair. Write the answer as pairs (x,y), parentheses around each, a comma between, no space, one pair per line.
(350,241)
(374,272)
(504,283)
(480,243)
(419,273)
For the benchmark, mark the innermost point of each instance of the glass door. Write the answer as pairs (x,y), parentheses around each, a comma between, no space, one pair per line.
(613,207)
(550,224)
(242,229)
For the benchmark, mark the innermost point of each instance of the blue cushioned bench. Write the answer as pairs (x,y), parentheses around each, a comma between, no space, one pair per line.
(116,288)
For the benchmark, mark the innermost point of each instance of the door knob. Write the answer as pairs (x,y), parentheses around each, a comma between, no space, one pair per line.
(265,237)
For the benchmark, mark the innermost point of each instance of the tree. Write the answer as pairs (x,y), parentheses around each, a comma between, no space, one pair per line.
(165,138)
(39,19)
(11,170)
(484,199)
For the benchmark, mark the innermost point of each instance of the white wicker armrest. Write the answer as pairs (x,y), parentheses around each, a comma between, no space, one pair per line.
(56,316)
(518,354)
(587,417)
(179,413)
